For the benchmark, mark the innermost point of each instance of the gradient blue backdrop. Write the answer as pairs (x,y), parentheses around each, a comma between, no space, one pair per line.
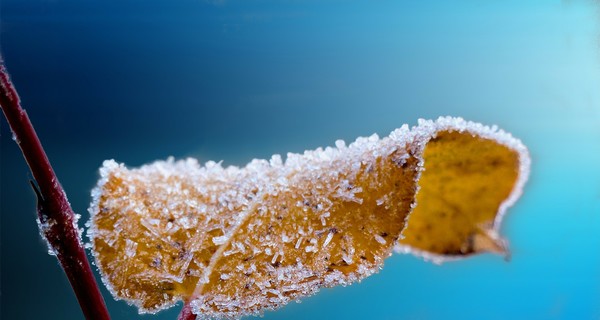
(139,80)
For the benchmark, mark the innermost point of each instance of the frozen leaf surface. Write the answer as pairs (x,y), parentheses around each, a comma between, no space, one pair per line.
(236,241)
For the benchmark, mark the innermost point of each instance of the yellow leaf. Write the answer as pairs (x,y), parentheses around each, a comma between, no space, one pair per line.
(235,241)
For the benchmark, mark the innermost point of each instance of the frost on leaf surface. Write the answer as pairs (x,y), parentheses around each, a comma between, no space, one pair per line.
(236,241)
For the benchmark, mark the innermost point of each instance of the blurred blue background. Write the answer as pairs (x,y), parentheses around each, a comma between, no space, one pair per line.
(139,80)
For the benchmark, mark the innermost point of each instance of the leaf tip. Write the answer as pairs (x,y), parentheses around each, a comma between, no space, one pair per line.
(488,240)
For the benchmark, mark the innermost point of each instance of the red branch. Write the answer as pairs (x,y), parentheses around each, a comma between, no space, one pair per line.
(56,217)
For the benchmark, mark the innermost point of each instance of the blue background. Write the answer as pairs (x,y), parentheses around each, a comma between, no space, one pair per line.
(139,80)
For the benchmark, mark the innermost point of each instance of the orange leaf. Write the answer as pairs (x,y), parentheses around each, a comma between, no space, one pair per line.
(235,241)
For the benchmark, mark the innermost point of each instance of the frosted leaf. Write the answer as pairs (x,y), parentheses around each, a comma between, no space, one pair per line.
(236,241)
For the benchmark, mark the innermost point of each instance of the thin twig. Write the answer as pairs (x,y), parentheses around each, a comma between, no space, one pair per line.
(56,218)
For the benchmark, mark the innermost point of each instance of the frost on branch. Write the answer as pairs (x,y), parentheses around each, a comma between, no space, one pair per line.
(239,240)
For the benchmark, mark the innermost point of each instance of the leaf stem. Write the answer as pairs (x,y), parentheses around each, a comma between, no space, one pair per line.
(186,312)
(56,217)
